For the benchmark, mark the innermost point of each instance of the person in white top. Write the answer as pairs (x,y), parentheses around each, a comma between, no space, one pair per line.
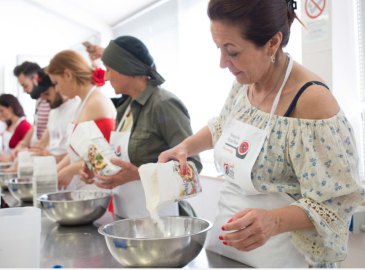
(54,141)
(289,157)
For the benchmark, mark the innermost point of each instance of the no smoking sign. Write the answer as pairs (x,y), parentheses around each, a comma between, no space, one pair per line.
(314,8)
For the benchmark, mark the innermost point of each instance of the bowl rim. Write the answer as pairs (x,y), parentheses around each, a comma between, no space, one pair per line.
(9,181)
(79,191)
(100,230)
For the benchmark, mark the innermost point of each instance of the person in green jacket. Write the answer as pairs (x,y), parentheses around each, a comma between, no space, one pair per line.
(150,121)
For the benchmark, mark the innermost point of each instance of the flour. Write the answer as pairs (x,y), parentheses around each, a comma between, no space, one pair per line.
(164,185)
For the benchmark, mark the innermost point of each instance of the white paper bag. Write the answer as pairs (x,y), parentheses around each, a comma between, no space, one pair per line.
(89,143)
(163,183)
(44,177)
(25,164)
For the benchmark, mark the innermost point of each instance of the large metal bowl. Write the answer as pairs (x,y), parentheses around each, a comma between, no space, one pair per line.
(75,207)
(6,176)
(21,189)
(5,165)
(139,242)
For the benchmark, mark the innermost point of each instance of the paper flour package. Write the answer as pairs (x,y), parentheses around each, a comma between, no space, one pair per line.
(44,177)
(163,183)
(25,164)
(89,143)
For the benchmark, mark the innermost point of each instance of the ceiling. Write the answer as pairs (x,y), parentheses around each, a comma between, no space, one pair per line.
(111,11)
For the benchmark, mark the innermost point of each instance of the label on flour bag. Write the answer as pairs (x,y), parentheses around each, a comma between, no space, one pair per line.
(89,143)
(164,184)
(44,177)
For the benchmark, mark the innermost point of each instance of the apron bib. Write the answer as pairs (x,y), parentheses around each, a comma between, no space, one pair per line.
(55,137)
(8,135)
(34,138)
(129,199)
(236,152)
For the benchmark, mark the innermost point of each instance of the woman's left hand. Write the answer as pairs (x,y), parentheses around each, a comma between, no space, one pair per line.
(128,173)
(253,227)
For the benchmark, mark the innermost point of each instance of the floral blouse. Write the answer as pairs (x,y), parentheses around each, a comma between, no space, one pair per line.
(315,162)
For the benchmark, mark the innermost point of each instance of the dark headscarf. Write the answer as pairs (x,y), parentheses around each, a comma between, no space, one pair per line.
(129,56)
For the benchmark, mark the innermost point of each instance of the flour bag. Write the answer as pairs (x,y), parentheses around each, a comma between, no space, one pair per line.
(25,164)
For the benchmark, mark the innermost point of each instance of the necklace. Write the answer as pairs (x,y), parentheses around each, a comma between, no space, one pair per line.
(253,87)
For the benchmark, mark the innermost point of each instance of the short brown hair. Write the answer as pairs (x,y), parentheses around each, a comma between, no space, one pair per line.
(259,20)
(74,62)
(29,69)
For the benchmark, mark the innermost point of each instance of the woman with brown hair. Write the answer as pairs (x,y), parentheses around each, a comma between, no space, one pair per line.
(287,149)
(13,114)
(74,77)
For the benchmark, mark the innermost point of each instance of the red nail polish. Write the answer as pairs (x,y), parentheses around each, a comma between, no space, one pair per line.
(223,229)
(229,221)
(184,172)
(224,243)
(220,238)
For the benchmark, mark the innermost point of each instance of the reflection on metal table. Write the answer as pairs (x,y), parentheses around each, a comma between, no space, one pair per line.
(84,247)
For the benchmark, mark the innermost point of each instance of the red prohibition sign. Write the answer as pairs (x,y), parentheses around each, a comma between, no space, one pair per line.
(317,7)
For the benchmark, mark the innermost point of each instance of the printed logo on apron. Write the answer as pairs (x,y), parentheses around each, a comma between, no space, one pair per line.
(229,170)
(241,147)
(118,151)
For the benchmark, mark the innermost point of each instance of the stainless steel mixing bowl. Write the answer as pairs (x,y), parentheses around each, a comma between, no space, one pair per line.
(139,242)
(21,189)
(6,176)
(5,165)
(75,207)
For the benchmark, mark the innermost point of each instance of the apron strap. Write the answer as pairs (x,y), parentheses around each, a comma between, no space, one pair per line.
(127,111)
(79,110)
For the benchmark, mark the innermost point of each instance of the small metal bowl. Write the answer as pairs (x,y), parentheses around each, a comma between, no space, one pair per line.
(75,207)
(5,165)
(6,176)
(139,243)
(21,189)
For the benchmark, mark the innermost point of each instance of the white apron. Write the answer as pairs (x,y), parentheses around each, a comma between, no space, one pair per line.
(34,138)
(55,137)
(8,135)
(129,199)
(236,152)
(76,182)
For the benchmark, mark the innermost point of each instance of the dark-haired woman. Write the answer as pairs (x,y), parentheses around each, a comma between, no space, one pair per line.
(287,149)
(150,121)
(13,114)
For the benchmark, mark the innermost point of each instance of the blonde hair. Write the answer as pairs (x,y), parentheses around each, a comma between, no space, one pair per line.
(75,63)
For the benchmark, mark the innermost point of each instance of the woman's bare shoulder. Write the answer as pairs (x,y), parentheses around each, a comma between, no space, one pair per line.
(316,102)
(98,106)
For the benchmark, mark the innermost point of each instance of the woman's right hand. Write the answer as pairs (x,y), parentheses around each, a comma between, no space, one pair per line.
(178,153)
(86,174)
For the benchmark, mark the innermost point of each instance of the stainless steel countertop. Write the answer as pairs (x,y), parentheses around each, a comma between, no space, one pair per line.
(84,247)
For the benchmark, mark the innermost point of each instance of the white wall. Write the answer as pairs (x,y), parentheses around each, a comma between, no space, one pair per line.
(27,29)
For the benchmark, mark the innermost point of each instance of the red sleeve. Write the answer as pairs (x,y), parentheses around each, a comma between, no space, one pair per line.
(19,133)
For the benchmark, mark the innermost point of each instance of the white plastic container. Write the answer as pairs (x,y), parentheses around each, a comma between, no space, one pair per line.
(20,237)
